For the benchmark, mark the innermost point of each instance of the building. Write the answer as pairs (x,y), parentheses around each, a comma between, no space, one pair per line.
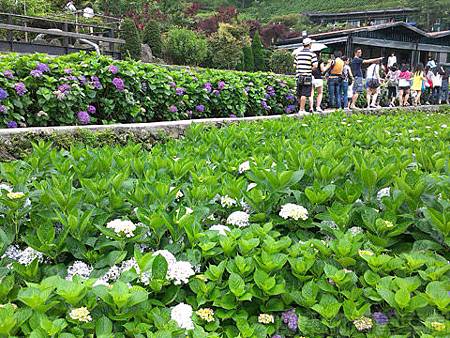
(410,44)
(364,18)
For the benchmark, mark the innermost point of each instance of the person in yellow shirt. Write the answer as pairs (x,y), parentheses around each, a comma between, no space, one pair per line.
(335,80)
(417,83)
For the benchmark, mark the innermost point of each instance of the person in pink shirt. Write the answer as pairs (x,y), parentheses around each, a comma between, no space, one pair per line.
(404,85)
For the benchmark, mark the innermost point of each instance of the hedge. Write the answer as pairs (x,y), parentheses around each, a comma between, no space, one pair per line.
(36,90)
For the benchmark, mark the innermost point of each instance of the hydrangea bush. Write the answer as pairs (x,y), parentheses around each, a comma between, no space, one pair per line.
(82,88)
(326,227)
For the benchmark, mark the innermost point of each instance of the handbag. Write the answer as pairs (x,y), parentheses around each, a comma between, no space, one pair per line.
(373,83)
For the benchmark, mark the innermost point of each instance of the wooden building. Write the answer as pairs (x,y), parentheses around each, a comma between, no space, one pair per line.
(410,44)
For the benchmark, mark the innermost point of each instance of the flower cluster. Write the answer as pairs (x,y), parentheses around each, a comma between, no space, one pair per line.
(239,218)
(182,315)
(265,318)
(227,202)
(84,117)
(385,192)
(79,268)
(180,91)
(8,74)
(294,211)
(243,167)
(119,84)
(363,323)
(113,69)
(380,318)
(95,82)
(122,227)
(23,257)
(20,88)
(3,94)
(290,318)
(115,272)
(81,314)
(179,272)
(221,229)
(438,326)
(206,314)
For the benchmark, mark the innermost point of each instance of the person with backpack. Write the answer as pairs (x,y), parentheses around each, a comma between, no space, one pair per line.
(347,80)
(392,78)
(305,63)
(418,83)
(335,80)
(373,83)
(317,82)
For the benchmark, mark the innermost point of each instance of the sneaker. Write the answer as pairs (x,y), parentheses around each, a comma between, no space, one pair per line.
(319,110)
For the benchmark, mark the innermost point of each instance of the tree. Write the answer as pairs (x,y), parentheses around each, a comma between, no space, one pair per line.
(130,34)
(152,37)
(282,62)
(258,53)
(185,47)
(249,62)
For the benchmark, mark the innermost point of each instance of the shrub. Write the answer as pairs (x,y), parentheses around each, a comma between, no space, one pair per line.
(130,33)
(258,53)
(249,62)
(282,62)
(127,91)
(152,37)
(185,47)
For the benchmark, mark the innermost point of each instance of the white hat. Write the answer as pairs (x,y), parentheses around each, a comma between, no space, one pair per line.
(307,41)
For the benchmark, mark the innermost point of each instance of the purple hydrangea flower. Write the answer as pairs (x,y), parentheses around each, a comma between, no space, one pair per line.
(200,108)
(113,69)
(68,71)
(216,92)
(277,336)
(91,109)
(20,88)
(232,116)
(72,78)
(247,89)
(83,79)
(3,109)
(290,97)
(95,81)
(83,117)
(380,318)
(267,96)
(12,124)
(172,84)
(221,85)
(189,113)
(64,87)
(36,73)
(290,109)
(290,318)
(264,105)
(3,94)
(208,87)
(173,109)
(119,84)
(180,91)
(270,91)
(42,67)
(8,74)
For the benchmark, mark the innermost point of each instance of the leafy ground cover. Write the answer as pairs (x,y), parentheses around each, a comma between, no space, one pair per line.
(37,90)
(335,226)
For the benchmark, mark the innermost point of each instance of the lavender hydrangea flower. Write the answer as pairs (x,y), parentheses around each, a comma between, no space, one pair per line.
(95,81)
(380,318)
(233,116)
(180,91)
(3,94)
(68,71)
(3,109)
(270,91)
(91,109)
(113,69)
(20,88)
(208,87)
(172,84)
(119,84)
(267,96)
(42,67)
(173,109)
(64,87)
(216,92)
(277,336)
(290,97)
(290,318)
(36,73)
(8,74)
(83,117)
(200,108)
(221,85)
(82,79)
(264,105)
(12,124)
(72,78)
(290,109)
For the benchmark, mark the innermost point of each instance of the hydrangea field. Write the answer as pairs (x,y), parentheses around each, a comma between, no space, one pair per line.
(333,226)
(36,90)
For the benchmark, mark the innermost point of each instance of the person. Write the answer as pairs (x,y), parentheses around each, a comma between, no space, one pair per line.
(305,63)
(88,11)
(318,83)
(392,78)
(436,78)
(431,63)
(417,83)
(445,83)
(356,66)
(373,83)
(335,80)
(70,7)
(347,80)
(392,60)
(404,85)
(428,90)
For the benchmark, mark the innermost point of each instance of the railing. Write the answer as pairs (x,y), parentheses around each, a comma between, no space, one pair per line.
(25,34)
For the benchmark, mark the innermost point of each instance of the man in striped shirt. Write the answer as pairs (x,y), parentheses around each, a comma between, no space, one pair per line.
(305,62)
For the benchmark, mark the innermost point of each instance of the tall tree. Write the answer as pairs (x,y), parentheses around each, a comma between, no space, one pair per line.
(258,53)
(152,37)
(249,62)
(130,34)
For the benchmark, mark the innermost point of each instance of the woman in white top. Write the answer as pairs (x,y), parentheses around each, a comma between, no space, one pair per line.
(373,82)
(436,79)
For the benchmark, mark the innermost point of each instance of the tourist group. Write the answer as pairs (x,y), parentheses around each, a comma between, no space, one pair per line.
(387,83)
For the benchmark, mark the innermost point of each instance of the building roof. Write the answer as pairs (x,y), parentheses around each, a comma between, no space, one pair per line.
(438,35)
(362,13)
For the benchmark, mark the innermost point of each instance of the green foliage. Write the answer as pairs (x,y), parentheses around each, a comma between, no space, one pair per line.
(282,62)
(130,33)
(152,37)
(185,47)
(258,53)
(347,219)
(249,62)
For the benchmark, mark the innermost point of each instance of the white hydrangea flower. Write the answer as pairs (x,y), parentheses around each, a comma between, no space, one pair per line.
(128,265)
(356,230)
(4,186)
(180,272)
(251,186)
(81,314)
(221,229)
(243,167)
(182,315)
(294,211)
(23,257)
(170,258)
(239,218)
(227,201)
(122,227)
(79,268)
(189,211)
(101,281)
(443,126)
(385,192)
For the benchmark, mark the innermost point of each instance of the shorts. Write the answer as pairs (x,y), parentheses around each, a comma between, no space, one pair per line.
(405,88)
(304,90)
(317,83)
(358,85)
(392,91)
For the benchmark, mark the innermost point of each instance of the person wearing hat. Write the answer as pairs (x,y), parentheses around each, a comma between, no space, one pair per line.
(305,63)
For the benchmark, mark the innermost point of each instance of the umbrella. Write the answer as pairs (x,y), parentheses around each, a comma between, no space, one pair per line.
(315,47)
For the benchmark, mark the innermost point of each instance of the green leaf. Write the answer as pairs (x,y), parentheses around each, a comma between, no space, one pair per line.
(402,297)
(236,284)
